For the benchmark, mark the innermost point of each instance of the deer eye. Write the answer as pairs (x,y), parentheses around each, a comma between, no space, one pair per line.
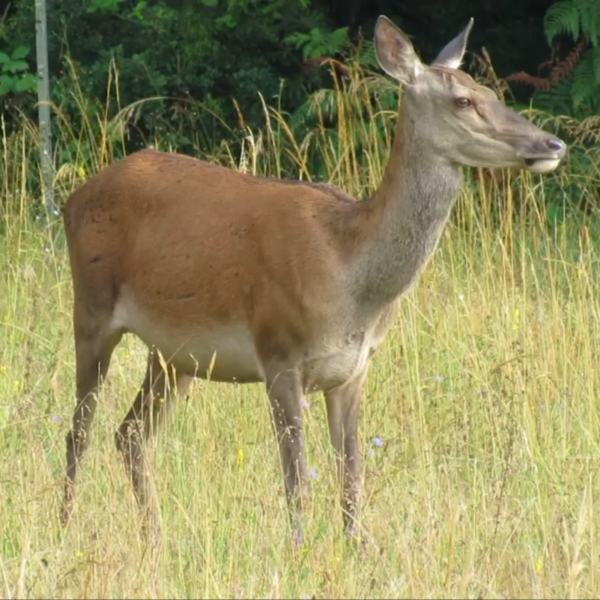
(462,102)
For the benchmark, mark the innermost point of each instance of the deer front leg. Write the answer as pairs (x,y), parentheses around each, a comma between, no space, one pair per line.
(343,404)
(285,395)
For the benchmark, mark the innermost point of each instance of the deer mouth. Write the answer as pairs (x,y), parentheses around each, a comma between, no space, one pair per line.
(545,159)
(542,164)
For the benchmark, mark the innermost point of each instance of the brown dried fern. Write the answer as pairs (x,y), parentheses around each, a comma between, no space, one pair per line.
(566,66)
(558,71)
(539,83)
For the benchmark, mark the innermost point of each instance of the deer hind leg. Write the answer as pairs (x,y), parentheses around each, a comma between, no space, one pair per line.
(284,388)
(153,403)
(343,404)
(94,345)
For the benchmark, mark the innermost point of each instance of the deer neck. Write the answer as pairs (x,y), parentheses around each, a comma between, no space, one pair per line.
(403,221)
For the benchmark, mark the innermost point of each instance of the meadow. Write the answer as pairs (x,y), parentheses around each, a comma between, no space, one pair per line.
(480,426)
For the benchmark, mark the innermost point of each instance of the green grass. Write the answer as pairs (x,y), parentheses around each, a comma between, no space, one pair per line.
(485,395)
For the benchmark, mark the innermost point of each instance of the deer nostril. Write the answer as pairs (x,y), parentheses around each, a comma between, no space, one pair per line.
(555,144)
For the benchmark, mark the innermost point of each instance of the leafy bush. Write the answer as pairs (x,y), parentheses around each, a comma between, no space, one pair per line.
(13,72)
(179,52)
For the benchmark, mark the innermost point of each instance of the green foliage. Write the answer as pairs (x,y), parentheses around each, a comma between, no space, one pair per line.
(353,112)
(576,79)
(14,75)
(574,18)
(318,42)
(103,6)
(180,52)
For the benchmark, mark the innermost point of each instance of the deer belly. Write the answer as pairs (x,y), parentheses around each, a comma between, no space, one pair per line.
(220,353)
(226,352)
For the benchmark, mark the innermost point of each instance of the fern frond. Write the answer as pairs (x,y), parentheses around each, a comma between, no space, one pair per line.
(596,61)
(557,98)
(566,66)
(590,20)
(539,83)
(366,56)
(578,18)
(562,17)
(584,81)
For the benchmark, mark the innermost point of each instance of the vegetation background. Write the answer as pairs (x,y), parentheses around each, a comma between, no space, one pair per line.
(481,422)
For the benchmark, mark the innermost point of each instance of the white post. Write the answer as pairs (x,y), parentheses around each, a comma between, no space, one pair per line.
(44,106)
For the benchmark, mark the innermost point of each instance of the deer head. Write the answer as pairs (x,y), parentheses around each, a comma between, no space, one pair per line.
(462,122)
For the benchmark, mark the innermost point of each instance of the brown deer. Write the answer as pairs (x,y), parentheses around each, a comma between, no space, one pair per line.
(236,278)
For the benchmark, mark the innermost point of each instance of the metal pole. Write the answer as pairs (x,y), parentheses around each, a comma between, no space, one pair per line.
(41,39)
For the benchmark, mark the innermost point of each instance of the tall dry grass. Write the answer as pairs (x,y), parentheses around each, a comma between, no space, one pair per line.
(479,428)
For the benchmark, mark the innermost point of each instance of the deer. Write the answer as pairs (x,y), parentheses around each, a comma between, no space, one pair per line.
(232,277)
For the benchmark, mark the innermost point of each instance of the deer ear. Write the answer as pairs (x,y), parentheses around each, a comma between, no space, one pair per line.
(395,52)
(452,53)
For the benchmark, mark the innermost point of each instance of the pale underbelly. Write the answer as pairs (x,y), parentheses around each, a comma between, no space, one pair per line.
(227,353)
